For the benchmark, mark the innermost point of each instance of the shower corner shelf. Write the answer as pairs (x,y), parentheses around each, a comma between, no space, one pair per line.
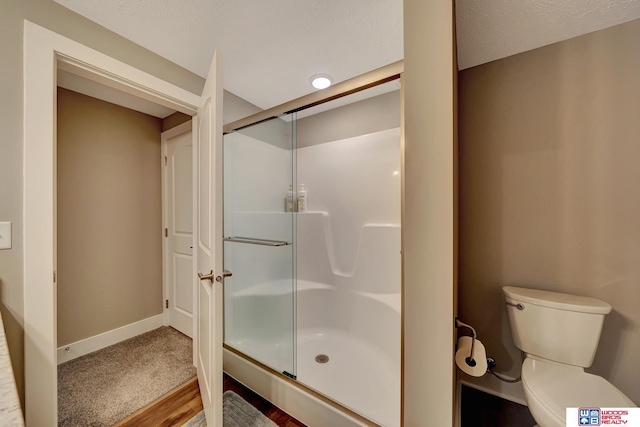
(253,241)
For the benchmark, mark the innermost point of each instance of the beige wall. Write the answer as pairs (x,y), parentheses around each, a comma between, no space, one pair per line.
(370,115)
(549,173)
(236,108)
(51,15)
(11,277)
(173,120)
(109,217)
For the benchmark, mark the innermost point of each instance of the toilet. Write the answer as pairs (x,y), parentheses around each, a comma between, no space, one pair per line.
(559,335)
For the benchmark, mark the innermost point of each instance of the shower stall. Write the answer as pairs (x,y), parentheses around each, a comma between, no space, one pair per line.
(315,293)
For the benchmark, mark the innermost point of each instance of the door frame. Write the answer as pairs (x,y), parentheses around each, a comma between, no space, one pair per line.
(44,52)
(164,139)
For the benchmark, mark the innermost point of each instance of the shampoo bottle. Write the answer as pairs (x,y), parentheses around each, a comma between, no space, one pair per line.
(302,199)
(288,200)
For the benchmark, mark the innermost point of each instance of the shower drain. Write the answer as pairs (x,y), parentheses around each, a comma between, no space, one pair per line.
(322,358)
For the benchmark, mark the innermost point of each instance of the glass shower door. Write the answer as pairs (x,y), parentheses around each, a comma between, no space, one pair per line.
(259,297)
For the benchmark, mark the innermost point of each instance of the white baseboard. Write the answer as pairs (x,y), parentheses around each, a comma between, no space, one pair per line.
(105,339)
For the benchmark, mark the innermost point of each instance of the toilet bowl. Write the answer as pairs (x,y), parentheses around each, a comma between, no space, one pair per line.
(550,388)
(559,335)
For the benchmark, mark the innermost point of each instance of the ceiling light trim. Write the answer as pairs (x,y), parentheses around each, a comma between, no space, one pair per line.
(321,81)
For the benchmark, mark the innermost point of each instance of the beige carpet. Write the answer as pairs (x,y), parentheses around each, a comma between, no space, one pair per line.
(104,387)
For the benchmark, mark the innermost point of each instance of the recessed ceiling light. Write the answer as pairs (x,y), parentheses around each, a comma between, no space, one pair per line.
(321,81)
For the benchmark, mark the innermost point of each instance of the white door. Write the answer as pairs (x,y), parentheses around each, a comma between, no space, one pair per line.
(178,225)
(208,206)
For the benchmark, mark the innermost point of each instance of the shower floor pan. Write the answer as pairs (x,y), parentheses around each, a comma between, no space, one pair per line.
(357,375)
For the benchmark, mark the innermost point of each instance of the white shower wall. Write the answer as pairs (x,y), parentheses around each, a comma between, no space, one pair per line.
(348,273)
(357,182)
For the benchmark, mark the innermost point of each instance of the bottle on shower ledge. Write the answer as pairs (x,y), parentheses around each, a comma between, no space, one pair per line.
(302,199)
(289,204)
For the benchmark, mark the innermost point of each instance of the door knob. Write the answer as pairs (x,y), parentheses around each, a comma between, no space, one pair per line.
(208,277)
(225,273)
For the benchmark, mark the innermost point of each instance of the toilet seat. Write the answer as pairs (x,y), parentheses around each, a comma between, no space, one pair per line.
(553,387)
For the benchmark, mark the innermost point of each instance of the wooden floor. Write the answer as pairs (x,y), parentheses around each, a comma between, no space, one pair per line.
(173,409)
(481,409)
(180,405)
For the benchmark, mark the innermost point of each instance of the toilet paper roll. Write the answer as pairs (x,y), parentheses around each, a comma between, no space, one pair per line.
(479,356)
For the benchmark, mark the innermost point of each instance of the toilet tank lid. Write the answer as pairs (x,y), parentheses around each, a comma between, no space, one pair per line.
(557,300)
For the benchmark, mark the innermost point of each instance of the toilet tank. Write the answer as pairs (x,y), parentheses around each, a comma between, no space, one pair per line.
(560,327)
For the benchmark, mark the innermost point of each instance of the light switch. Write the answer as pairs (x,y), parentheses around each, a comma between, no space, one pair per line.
(5,235)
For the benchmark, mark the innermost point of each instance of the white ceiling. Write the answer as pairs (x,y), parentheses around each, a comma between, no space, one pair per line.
(492,29)
(271,48)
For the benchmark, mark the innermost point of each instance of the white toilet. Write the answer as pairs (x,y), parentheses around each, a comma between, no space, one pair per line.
(559,335)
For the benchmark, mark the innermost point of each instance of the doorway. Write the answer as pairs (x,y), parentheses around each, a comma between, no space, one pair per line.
(41,46)
(110,263)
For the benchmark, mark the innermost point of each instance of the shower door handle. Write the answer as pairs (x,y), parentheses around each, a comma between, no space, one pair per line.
(208,277)
(225,273)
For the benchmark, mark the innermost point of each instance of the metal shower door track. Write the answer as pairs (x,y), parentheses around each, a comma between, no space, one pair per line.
(365,81)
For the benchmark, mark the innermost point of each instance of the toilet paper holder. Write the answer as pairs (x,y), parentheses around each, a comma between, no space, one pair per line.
(459,324)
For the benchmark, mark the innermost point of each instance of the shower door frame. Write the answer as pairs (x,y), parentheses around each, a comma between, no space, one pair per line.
(388,73)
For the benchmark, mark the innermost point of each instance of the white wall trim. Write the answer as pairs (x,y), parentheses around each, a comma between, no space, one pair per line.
(105,339)
(176,131)
(429,217)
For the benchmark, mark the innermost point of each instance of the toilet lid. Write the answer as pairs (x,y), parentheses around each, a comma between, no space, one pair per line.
(558,387)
